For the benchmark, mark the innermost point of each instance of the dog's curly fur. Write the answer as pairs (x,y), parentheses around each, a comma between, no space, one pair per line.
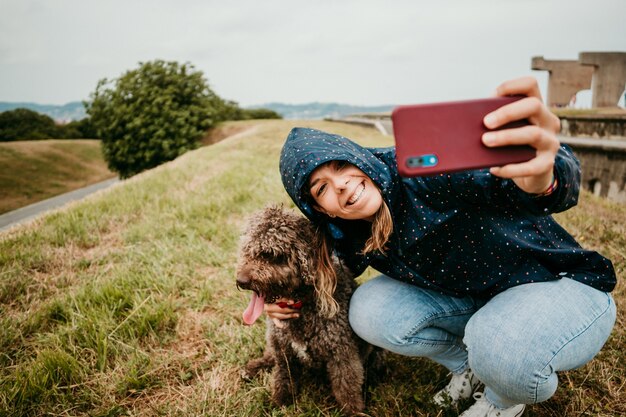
(278,259)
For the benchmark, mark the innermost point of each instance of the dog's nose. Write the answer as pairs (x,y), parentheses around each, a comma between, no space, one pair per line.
(242,280)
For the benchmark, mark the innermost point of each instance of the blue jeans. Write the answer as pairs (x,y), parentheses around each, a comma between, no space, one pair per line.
(515,342)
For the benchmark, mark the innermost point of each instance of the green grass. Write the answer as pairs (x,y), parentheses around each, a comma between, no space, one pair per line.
(125,303)
(38,169)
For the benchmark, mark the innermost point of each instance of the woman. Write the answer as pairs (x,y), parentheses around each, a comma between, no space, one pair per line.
(477,275)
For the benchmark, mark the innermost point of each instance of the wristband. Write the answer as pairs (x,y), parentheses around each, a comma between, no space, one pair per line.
(550,189)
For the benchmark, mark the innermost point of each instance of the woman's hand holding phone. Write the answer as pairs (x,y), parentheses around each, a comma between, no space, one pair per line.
(534,176)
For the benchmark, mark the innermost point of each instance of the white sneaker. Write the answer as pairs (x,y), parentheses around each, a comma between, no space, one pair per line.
(461,386)
(483,408)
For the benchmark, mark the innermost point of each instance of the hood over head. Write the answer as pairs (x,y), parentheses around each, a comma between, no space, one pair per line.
(306,149)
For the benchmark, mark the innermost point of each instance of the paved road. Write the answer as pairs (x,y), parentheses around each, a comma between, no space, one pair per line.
(12,218)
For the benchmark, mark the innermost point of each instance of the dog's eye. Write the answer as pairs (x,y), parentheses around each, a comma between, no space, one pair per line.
(273,258)
(281,259)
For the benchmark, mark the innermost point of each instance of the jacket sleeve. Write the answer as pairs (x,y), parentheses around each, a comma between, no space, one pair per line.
(481,189)
(568,174)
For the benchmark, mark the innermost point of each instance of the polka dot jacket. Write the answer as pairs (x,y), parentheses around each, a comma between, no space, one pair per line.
(467,233)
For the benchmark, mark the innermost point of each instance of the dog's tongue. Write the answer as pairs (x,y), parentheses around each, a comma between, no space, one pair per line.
(254,309)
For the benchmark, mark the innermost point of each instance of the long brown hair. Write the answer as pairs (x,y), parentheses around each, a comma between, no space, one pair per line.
(382,227)
(326,280)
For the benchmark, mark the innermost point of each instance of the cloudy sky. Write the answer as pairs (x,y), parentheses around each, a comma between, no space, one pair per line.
(363,52)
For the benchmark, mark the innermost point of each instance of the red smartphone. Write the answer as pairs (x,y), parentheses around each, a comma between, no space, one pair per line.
(446,137)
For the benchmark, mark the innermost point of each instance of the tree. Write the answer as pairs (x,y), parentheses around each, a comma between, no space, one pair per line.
(260,113)
(80,129)
(152,114)
(21,124)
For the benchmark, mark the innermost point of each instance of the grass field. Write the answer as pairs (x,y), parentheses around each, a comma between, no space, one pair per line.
(125,303)
(38,169)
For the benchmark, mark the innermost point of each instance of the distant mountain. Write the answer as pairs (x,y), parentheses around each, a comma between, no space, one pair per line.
(63,113)
(320,110)
(76,111)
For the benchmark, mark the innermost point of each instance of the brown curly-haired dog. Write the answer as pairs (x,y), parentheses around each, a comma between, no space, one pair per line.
(278,259)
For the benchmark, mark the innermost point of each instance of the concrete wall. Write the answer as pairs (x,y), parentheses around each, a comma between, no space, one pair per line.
(603,169)
(609,76)
(604,72)
(594,126)
(565,80)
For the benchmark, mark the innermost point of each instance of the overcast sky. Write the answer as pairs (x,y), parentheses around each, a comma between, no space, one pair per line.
(362,52)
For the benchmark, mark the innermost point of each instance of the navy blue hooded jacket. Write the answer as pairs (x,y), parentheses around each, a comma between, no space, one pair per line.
(468,233)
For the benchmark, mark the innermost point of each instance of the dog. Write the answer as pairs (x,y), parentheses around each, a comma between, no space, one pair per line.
(278,258)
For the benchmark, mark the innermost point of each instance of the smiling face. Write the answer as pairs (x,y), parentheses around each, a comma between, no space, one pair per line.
(341,189)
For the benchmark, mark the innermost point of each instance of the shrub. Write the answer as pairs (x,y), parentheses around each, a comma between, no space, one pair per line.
(82,128)
(152,114)
(260,114)
(232,111)
(22,124)
(26,124)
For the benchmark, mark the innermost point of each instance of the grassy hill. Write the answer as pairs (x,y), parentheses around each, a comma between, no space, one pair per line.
(35,170)
(125,303)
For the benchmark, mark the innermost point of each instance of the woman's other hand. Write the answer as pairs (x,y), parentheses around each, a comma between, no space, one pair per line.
(534,176)
(278,313)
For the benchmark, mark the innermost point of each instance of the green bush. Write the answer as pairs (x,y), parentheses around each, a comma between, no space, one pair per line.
(260,114)
(26,124)
(152,114)
(22,124)
(230,110)
(82,128)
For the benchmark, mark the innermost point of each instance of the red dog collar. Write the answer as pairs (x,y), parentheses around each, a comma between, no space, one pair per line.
(297,305)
